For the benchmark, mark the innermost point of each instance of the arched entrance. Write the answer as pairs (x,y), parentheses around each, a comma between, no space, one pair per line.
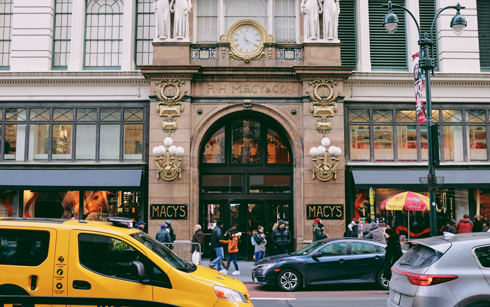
(245,177)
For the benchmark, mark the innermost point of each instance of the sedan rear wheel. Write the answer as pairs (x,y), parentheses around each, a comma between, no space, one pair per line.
(383,282)
(289,280)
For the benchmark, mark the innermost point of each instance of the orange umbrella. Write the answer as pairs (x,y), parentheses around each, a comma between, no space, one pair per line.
(408,201)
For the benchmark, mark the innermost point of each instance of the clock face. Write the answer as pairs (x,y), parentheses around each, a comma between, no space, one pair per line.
(246,39)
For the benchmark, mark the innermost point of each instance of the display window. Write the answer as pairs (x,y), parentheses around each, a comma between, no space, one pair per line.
(97,205)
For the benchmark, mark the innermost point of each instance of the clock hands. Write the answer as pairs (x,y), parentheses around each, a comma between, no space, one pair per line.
(248,42)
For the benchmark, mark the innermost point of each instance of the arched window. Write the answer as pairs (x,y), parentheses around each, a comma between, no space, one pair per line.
(240,9)
(103,34)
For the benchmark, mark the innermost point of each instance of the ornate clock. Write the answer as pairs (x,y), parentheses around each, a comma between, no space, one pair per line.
(247,38)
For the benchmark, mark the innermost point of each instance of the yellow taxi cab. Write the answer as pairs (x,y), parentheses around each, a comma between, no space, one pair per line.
(40,257)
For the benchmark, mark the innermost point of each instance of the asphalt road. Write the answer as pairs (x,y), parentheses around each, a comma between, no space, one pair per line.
(364,295)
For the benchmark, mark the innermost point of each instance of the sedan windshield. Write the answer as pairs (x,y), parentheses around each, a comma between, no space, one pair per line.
(308,249)
(164,252)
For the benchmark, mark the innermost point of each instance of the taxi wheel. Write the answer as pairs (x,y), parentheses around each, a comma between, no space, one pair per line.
(382,281)
(289,280)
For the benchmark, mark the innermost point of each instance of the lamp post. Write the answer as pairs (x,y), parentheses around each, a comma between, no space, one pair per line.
(323,170)
(168,170)
(458,24)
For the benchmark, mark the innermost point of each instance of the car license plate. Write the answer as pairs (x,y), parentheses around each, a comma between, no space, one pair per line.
(396,297)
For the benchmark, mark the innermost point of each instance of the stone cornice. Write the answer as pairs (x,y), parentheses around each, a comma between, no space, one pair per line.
(222,73)
(406,79)
(72,77)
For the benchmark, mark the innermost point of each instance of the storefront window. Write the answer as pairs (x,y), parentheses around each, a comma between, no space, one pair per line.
(63,114)
(86,137)
(109,142)
(359,115)
(97,205)
(245,141)
(9,203)
(407,143)
(222,184)
(360,143)
(453,143)
(15,137)
(133,140)
(15,114)
(110,114)
(383,116)
(383,143)
(212,214)
(475,116)
(270,184)
(406,116)
(38,142)
(277,152)
(87,114)
(477,142)
(62,142)
(39,114)
(214,151)
(133,114)
(453,116)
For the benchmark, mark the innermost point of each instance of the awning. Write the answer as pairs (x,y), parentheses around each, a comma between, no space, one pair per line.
(73,179)
(409,179)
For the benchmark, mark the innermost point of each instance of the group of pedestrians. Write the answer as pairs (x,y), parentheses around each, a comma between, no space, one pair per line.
(465,225)
(166,234)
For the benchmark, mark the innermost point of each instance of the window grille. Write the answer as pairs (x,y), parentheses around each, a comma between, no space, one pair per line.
(347,32)
(62,33)
(483,12)
(103,34)
(6,7)
(145,32)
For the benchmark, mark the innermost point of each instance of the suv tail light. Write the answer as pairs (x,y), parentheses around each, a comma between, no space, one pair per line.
(426,280)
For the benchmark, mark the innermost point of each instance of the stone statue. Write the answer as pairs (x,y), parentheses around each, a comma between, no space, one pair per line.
(331,12)
(181,9)
(312,10)
(162,19)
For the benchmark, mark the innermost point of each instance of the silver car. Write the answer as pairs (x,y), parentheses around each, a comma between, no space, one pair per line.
(445,271)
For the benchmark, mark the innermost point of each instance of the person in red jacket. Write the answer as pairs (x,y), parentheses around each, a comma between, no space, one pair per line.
(464,225)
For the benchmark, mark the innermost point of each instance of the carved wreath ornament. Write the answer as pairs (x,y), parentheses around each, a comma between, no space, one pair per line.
(323,103)
(170,102)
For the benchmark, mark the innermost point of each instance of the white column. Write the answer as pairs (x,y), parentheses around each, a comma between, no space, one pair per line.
(363,48)
(128,41)
(412,31)
(458,54)
(32,35)
(77,36)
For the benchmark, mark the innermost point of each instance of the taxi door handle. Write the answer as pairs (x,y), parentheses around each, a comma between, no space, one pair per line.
(81,285)
(33,282)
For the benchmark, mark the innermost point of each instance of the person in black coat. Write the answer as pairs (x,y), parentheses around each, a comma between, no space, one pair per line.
(281,237)
(477,225)
(393,251)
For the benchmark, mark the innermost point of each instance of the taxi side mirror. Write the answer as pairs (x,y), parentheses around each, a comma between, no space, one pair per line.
(138,271)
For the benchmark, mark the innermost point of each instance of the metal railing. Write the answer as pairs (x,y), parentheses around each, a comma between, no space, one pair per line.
(67,300)
(184,249)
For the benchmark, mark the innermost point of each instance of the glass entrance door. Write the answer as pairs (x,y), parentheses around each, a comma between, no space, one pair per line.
(245,217)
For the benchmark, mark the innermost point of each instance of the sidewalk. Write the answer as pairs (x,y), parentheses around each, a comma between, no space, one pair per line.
(244,266)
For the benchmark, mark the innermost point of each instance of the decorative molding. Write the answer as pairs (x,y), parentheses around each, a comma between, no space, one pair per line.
(170,102)
(203,54)
(61,78)
(323,103)
(289,54)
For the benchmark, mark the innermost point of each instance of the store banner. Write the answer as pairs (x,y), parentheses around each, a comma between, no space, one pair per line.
(419,89)
(168,211)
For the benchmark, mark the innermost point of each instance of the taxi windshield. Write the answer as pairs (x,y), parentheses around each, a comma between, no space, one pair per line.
(164,252)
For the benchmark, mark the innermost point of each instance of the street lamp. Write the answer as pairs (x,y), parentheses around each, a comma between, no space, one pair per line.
(168,170)
(458,24)
(323,170)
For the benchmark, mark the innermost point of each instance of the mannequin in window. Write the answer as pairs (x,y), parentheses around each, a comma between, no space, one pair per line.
(312,10)
(162,19)
(331,12)
(181,9)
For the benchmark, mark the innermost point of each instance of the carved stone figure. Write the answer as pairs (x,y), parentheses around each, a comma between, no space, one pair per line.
(162,19)
(312,10)
(181,9)
(331,11)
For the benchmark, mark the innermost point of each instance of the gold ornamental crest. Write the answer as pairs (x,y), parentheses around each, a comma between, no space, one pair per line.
(170,102)
(323,103)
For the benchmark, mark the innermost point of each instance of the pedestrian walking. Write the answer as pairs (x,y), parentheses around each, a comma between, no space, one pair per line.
(477,225)
(171,232)
(313,226)
(485,225)
(376,234)
(464,225)
(281,237)
(450,227)
(393,251)
(140,225)
(260,242)
(163,236)
(234,237)
(196,250)
(318,235)
(216,244)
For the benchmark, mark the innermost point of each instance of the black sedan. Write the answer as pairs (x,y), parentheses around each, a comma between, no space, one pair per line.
(329,261)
